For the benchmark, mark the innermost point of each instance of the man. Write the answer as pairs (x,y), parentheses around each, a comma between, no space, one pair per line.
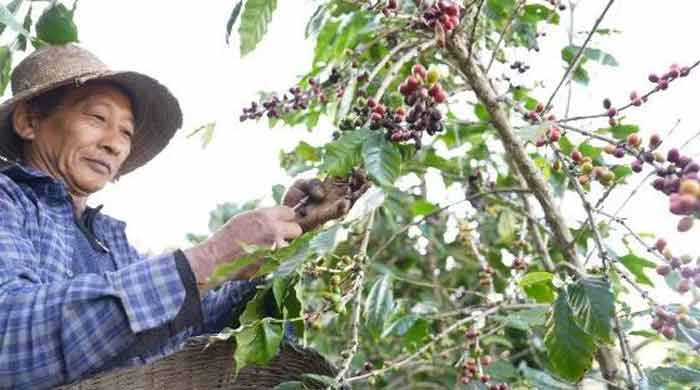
(75,297)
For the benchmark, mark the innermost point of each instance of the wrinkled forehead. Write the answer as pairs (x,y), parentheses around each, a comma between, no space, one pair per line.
(102,91)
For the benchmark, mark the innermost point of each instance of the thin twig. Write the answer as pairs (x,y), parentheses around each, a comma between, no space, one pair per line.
(521,3)
(357,305)
(575,60)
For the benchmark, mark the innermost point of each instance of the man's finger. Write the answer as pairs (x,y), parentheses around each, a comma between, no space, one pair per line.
(290,230)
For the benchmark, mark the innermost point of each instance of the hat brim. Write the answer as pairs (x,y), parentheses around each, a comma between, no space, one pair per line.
(155,108)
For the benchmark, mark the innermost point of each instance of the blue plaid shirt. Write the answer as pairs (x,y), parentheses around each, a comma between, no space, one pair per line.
(68,310)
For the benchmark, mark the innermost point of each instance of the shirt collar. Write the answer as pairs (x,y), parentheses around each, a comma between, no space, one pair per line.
(41,182)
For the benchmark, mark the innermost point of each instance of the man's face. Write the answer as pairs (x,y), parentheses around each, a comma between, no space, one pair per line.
(87,138)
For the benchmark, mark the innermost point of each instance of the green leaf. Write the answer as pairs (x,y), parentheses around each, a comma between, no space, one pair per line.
(482,113)
(55,25)
(342,155)
(593,306)
(278,193)
(257,344)
(8,19)
(621,132)
(636,265)
(507,225)
(542,380)
(382,159)
(292,257)
(524,319)
(379,304)
(538,286)
(232,19)
(314,23)
(291,385)
(257,14)
(401,326)
(325,241)
(533,13)
(570,349)
(27,24)
(531,133)
(664,375)
(324,40)
(422,207)
(5,67)
(594,54)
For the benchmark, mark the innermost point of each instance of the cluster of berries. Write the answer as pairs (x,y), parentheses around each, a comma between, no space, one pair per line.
(679,179)
(297,99)
(444,12)
(674,72)
(520,66)
(422,93)
(472,371)
(589,171)
(558,4)
(665,321)
(689,274)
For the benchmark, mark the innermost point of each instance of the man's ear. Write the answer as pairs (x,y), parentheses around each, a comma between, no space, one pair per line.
(24,122)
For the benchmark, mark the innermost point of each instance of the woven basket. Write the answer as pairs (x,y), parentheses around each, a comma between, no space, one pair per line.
(195,368)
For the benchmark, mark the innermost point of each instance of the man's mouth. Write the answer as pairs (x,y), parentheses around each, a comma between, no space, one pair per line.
(99,165)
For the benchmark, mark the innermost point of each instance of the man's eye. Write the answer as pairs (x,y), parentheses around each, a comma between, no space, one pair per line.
(98,117)
(128,134)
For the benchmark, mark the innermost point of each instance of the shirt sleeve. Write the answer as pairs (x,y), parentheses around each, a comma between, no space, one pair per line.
(54,333)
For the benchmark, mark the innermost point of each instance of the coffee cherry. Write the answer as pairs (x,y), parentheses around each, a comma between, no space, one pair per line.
(586,168)
(433,75)
(668,332)
(690,187)
(685,224)
(612,112)
(576,156)
(663,85)
(657,323)
(619,153)
(419,70)
(660,244)
(683,286)
(654,141)
(485,378)
(653,78)
(486,360)
(636,166)
(539,107)
(554,134)
(412,83)
(673,155)
(663,269)
(634,140)
(684,71)
(609,148)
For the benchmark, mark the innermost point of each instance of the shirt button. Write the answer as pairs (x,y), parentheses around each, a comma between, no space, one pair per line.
(70,274)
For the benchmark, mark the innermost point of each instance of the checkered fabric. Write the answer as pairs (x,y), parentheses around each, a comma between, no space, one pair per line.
(59,324)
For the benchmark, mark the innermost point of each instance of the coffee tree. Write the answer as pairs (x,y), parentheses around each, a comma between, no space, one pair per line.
(499,289)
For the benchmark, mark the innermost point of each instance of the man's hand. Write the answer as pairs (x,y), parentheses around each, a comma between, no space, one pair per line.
(317,202)
(263,227)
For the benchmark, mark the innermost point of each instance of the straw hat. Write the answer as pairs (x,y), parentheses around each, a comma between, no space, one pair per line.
(156,110)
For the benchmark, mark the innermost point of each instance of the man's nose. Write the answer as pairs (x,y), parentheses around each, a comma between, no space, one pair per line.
(113,142)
